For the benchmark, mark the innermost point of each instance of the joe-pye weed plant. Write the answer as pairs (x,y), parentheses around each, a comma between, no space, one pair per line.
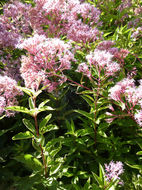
(50,45)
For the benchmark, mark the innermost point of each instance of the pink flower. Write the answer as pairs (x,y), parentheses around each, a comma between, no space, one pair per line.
(46,58)
(80,32)
(113,170)
(8,94)
(138,117)
(84,69)
(102,59)
(105,45)
(120,88)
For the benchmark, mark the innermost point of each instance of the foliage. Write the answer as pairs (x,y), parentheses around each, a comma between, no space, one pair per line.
(70,95)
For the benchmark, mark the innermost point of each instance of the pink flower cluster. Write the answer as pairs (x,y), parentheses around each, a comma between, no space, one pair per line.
(117,92)
(113,171)
(118,54)
(53,18)
(138,117)
(125,4)
(137,33)
(46,58)
(126,92)
(11,66)
(102,60)
(83,68)
(7,38)
(8,93)
(66,18)
(14,23)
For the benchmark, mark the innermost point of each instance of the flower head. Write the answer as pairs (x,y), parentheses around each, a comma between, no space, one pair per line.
(113,170)
(8,93)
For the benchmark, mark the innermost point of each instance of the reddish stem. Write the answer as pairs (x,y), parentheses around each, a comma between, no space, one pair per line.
(37,132)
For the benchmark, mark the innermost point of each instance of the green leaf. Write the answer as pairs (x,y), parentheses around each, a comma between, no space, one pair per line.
(20,136)
(45,108)
(139,167)
(29,125)
(55,168)
(44,121)
(43,103)
(80,52)
(48,128)
(112,185)
(55,151)
(87,185)
(95,187)
(2,132)
(26,90)
(86,114)
(40,140)
(139,153)
(2,117)
(106,34)
(19,109)
(31,103)
(102,116)
(84,132)
(70,127)
(88,99)
(101,173)
(30,162)
(97,178)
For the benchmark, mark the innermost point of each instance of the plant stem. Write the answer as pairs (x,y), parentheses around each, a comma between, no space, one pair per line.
(95,114)
(44,161)
(37,132)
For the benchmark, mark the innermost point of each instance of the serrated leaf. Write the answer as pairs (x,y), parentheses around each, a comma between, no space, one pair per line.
(44,122)
(29,125)
(25,135)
